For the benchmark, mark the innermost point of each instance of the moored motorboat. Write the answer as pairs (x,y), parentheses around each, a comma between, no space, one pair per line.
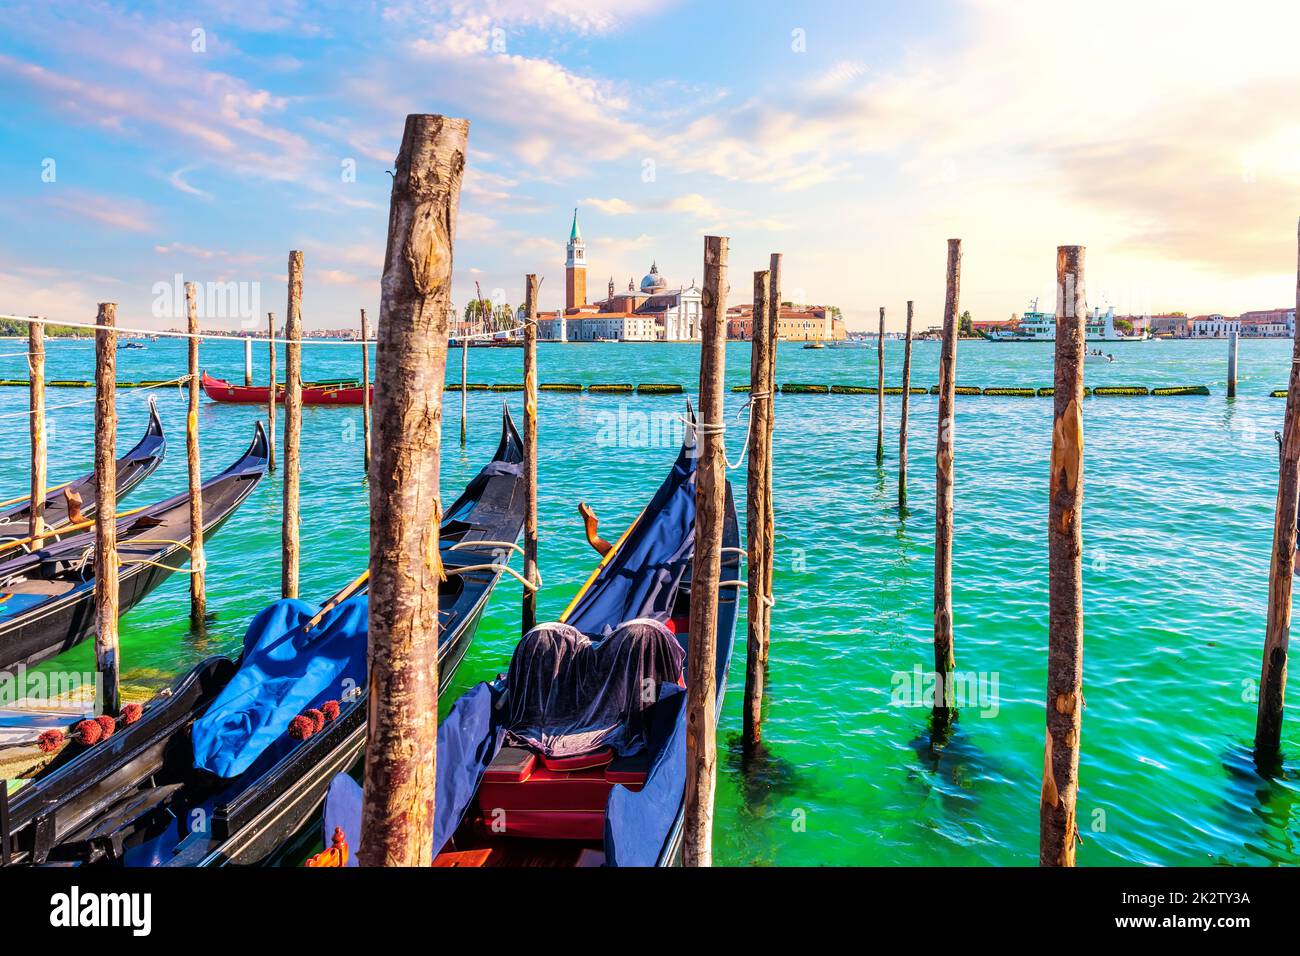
(342,392)
(237,757)
(47,596)
(567,760)
(132,468)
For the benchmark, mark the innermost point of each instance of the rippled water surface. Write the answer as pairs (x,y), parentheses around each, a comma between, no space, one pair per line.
(1177,530)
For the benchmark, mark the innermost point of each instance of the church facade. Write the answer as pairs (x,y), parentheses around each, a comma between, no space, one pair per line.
(648,312)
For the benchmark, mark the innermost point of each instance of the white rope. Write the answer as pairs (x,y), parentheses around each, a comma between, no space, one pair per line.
(511,545)
(238,337)
(498,567)
(88,401)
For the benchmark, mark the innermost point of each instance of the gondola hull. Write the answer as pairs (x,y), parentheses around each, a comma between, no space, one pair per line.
(65,620)
(132,468)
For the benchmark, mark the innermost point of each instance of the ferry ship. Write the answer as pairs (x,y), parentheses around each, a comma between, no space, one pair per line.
(1036,326)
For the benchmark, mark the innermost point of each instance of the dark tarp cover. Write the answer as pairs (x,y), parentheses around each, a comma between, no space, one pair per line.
(467,742)
(569,695)
(284,671)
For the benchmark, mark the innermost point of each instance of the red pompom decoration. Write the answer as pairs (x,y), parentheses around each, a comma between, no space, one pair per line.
(50,741)
(106,724)
(317,719)
(131,713)
(301,727)
(331,710)
(88,732)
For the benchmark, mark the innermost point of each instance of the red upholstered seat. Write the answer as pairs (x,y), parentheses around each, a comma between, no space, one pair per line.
(597,758)
(523,797)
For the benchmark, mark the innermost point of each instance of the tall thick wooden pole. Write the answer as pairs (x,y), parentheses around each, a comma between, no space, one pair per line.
(880,390)
(710,503)
(248,360)
(529,619)
(410,362)
(944,656)
(1232,364)
(758,496)
(36,384)
(106,652)
(1277,638)
(769,509)
(464,372)
(902,418)
(1057,827)
(271,390)
(292,429)
(365,387)
(198,566)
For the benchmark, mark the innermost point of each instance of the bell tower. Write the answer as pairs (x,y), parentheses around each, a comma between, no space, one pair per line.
(575,268)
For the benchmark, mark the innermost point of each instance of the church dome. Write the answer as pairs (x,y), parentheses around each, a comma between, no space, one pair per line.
(653,281)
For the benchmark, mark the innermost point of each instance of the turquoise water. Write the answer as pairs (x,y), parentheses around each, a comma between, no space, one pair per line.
(1177,529)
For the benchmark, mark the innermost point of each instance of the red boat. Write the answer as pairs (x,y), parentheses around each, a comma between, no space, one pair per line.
(313,393)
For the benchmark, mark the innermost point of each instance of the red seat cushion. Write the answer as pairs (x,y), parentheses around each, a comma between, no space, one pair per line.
(597,758)
(511,765)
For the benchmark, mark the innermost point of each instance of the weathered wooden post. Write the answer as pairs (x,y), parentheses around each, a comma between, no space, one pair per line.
(292,429)
(902,418)
(198,565)
(880,390)
(529,620)
(106,652)
(410,362)
(757,520)
(271,390)
(36,396)
(710,502)
(365,387)
(1277,637)
(769,509)
(464,372)
(944,655)
(248,360)
(1057,827)
(1232,364)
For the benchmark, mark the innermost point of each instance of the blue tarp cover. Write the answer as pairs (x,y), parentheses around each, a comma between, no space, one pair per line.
(284,671)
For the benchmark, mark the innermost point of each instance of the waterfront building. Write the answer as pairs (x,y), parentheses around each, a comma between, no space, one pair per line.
(1214,326)
(805,323)
(1268,323)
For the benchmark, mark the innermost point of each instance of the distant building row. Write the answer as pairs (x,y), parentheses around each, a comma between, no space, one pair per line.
(652,312)
(1260,324)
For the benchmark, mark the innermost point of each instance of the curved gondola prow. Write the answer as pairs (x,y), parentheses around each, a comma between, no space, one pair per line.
(511,446)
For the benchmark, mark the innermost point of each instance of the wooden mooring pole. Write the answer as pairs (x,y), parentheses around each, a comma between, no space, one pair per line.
(529,619)
(198,595)
(769,509)
(1058,831)
(902,418)
(880,390)
(1232,364)
(365,387)
(248,360)
(464,372)
(36,386)
(271,390)
(1277,637)
(410,362)
(710,503)
(944,654)
(292,429)
(106,650)
(757,501)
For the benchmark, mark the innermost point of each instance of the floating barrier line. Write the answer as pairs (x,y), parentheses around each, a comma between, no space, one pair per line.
(88,401)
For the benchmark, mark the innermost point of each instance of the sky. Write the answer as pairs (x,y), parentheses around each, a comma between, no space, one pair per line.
(140,142)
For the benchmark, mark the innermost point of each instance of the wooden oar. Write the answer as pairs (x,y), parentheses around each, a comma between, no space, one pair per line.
(65,529)
(338,599)
(21,498)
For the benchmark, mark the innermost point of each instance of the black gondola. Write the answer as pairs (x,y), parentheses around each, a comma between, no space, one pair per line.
(47,597)
(607,784)
(132,468)
(137,798)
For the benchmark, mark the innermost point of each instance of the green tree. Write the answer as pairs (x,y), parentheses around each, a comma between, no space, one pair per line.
(965,325)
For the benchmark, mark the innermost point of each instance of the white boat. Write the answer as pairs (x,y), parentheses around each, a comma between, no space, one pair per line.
(1036,326)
